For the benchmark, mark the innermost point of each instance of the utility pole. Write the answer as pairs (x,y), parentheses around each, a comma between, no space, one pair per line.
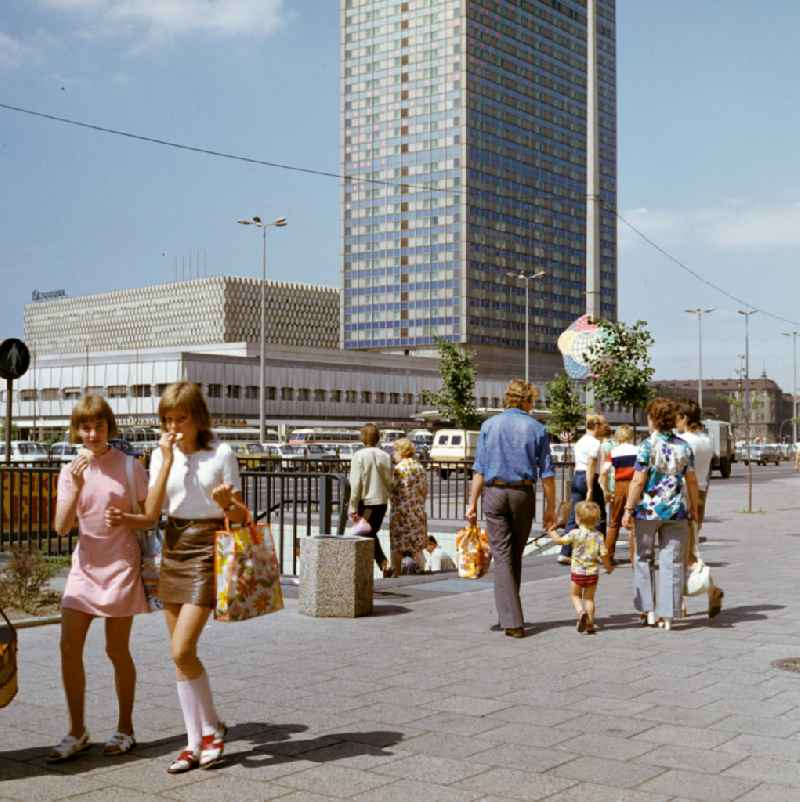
(593,202)
(747,314)
(793,335)
(700,312)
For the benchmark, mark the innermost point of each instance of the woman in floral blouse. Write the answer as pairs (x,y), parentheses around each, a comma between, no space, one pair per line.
(408,527)
(656,500)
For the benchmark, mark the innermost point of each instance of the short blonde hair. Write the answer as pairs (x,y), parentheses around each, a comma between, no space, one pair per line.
(189,397)
(370,435)
(587,513)
(91,407)
(518,393)
(624,433)
(593,421)
(404,447)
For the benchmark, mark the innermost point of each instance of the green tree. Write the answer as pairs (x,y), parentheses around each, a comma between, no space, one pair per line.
(619,362)
(455,401)
(567,413)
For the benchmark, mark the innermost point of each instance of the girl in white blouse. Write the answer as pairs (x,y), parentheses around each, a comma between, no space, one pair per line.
(195,480)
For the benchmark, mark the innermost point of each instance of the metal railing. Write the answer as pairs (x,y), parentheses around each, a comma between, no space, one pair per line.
(29,509)
(296,505)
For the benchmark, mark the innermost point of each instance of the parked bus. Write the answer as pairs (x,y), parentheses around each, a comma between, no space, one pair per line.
(319,434)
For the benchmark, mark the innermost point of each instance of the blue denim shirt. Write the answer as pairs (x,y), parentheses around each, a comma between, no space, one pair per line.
(513,447)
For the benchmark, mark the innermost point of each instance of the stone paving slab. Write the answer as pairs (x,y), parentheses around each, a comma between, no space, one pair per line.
(422,702)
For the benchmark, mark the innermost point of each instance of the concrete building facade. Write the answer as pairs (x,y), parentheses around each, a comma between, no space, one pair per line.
(220,309)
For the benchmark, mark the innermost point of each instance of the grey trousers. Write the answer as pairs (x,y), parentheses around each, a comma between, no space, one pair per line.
(672,536)
(509,517)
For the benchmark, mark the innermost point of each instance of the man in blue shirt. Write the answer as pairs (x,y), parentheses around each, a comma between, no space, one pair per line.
(513,451)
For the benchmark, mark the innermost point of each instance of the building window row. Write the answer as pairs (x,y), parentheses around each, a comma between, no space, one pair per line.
(229,391)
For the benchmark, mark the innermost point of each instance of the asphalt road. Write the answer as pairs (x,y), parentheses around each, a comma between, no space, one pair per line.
(761,473)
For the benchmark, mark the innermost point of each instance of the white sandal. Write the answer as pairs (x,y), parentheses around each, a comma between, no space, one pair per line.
(68,747)
(119,743)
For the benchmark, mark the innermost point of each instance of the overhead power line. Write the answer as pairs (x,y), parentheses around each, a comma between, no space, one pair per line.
(362,180)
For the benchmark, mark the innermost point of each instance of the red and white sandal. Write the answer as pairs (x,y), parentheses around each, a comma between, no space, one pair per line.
(186,761)
(212,746)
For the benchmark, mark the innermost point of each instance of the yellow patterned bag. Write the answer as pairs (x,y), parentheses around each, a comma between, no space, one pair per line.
(473,552)
(248,577)
(8,662)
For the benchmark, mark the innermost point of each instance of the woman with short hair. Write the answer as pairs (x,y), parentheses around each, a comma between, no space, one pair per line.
(195,480)
(408,526)
(656,500)
(370,488)
(94,492)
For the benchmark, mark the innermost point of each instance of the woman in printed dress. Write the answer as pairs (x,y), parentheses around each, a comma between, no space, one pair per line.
(408,526)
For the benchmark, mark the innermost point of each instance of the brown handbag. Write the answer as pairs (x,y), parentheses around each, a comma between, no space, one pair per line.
(8,661)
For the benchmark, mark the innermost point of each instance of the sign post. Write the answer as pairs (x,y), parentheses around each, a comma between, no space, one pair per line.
(14,361)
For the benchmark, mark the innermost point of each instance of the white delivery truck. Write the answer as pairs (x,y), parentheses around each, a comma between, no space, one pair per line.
(721,436)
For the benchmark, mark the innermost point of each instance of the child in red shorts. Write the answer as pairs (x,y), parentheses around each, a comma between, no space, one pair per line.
(588,551)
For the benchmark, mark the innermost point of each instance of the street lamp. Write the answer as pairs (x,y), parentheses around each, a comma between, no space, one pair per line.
(279,222)
(528,278)
(793,335)
(699,312)
(747,314)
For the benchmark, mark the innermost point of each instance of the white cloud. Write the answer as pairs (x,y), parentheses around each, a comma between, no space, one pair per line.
(13,52)
(731,226)
(156,19)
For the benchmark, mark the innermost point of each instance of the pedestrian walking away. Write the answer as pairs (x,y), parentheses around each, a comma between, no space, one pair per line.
(104,580)
(588,551)
(194,479)
(370,488)
(513,452)
(656,500)
(619,464)
(408,525)
(585,481)
(690,428)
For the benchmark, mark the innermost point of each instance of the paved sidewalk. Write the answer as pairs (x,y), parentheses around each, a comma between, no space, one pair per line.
(422,702)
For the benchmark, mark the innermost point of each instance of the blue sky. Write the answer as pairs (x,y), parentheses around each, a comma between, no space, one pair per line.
(707,165)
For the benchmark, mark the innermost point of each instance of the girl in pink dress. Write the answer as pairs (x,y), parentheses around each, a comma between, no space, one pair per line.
(104,580)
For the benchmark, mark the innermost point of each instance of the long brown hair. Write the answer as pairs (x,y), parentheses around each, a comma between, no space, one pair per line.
(187,396)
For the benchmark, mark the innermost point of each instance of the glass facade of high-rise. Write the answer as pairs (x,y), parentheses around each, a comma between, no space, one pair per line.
(464,143)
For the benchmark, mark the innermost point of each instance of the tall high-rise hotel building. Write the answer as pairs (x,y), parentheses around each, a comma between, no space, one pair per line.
(464,140)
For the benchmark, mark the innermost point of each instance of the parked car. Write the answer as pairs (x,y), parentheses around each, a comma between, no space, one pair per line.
(455,446)
(346,450)
(63,451)
(422,440)
(771,452)
(25,451)
(760,454)
(126,447)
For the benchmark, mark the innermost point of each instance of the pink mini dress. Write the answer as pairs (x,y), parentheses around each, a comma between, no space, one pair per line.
(104,579)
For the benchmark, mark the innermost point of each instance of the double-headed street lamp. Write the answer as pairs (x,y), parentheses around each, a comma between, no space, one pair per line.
(793,335)
(528,278)
(279,222)
(700,312)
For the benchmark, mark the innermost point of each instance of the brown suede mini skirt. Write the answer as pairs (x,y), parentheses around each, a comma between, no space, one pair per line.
(187,562)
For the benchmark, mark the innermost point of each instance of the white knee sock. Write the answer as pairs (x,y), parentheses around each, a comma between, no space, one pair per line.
(205,701)
(192,716)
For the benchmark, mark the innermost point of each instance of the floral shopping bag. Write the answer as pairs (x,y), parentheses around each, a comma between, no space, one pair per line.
(473,553)
(248,576)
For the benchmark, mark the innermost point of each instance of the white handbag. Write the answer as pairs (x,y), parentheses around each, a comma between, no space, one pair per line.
(698,579)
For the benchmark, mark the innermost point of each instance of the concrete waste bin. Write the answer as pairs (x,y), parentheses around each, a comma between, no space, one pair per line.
(336,576)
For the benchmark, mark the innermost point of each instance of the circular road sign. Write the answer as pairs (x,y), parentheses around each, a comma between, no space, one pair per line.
(14,358)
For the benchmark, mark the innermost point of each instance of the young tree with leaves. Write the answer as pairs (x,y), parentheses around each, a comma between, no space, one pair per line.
(567,413)
(455,401)
(619,362)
